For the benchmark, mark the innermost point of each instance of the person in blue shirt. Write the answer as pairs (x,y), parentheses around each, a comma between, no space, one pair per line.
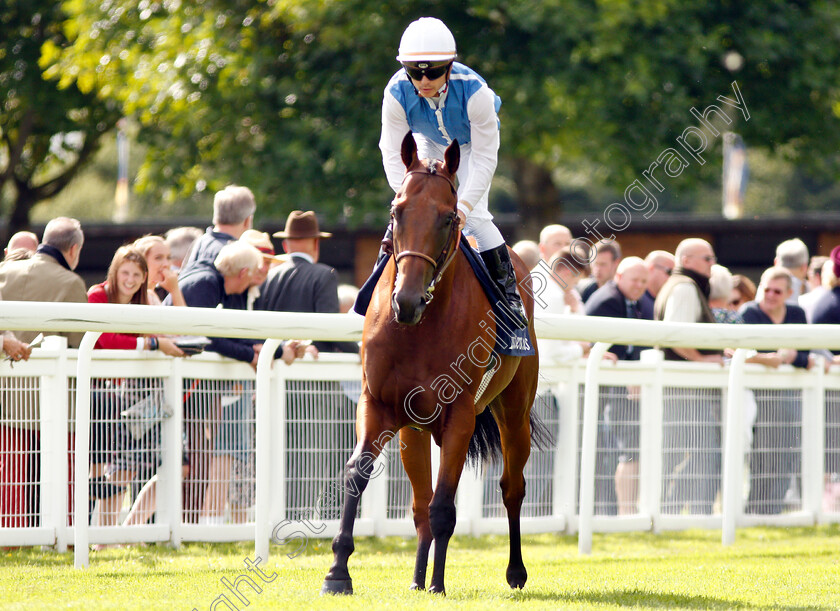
(440,100)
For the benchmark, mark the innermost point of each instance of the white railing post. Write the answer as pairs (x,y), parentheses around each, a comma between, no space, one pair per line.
(81,553)
(376,495)
(54,413)
(813,439)
(262,519)
(565,451)
(170,500)
(470,500)
(733,455)
(278,503)
(650,439)
(589,441)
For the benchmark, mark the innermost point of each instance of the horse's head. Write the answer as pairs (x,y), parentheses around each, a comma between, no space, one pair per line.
(425,228)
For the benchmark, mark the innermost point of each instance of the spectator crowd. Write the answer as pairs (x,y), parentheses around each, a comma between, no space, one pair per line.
(689,286)
(231,265)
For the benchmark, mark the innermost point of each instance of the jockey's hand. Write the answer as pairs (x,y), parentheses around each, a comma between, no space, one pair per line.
(462,220)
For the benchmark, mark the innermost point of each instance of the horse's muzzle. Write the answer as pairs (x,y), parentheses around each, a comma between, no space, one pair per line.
(407,308)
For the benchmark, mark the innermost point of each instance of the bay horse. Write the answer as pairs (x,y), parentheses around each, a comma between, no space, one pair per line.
(423,361)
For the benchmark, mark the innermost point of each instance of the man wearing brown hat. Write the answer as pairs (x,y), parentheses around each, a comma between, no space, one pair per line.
(302,284)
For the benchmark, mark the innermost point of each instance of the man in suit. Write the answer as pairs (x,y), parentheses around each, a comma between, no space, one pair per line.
(321,416)
(618,462)
(619,298)
(603,266)
(302,284)
(47,276)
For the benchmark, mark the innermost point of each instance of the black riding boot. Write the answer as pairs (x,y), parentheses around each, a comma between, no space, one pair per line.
(501,271)
(387,245)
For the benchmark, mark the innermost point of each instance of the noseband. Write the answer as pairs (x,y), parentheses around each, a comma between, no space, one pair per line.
(443,260)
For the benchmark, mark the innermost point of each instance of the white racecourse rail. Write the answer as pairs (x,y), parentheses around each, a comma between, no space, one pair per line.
(708,469)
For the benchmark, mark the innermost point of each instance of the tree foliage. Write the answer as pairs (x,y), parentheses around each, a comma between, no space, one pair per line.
(285,95)
(47,130)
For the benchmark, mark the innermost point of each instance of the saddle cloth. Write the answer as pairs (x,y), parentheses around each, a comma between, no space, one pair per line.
(509,339)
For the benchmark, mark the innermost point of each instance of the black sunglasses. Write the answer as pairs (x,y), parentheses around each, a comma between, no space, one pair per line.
(417,70)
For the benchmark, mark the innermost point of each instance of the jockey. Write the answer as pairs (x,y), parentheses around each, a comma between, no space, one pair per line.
(441,100)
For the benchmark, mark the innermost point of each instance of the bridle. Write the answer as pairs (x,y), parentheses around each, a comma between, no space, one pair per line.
(450,247)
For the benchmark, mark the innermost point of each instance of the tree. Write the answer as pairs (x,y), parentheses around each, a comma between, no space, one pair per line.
(229,91)
(613,83)
(47,131)
(285,96)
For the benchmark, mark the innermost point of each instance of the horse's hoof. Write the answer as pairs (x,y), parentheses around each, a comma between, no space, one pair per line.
(516,578)
(437,590)
(416,586)
(337,586)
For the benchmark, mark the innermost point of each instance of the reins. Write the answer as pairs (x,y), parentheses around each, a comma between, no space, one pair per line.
(443,260)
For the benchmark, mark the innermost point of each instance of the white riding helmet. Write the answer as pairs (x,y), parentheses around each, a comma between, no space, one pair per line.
(427,39)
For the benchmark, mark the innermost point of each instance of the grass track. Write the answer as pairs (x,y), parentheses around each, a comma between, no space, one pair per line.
(766,569)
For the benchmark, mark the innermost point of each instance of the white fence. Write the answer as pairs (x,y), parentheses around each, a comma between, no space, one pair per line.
(271,446)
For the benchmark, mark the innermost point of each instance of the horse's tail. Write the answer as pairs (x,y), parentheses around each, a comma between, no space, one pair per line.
(486,441)
(541,437)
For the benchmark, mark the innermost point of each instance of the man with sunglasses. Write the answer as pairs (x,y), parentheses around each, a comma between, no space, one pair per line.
(440,101)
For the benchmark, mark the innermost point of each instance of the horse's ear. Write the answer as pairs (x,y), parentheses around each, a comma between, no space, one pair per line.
(408,151)
(452,157)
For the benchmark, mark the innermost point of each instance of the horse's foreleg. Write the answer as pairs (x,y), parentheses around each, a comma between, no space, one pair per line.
(372,436)
(456,439)
(516,447)
(415,450)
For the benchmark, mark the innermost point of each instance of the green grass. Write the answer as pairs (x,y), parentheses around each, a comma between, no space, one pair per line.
(765,569)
